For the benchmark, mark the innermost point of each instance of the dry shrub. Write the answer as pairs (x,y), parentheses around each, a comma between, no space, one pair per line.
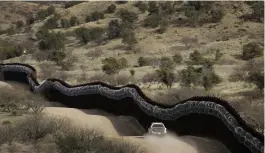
(68,63)
(122,79)
(238,75)
(41,133)
(252,111)
(11,99)
(61,75)
(150,78)
(96,53)
(189,41)
(41,56)
(46,70)
(97,77)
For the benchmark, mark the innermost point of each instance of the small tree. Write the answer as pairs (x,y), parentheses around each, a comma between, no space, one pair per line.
(50,10)
(73,21)
(177,58)
(165,72)
(196,57)
(167,63)
(166,76)
(252,50)
(128,38)
(53,41)
(114,29)
(209,80)
(111,8)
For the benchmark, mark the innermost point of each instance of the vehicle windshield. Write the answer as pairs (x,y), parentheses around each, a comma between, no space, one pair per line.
(158,126)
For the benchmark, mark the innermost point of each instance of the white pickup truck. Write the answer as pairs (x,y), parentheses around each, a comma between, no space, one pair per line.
(157,128)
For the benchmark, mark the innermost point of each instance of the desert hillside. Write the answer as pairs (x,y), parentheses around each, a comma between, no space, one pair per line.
(171,50)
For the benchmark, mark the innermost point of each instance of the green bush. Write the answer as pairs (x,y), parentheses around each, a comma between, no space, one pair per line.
(153,7)
(153,20)
(167,7)
(167,63)
(216,15)
(89,18)
(142,61)
(96,15)
(42,33)
(258,79)
(50,10)
(42,14)
(52,41)
(177,58)
(57,56)
(52,23)
(190,76)
(128,16)
(128,38)
(114,29)
(196,57)
(19,24)
(86,35)
(252,50)
(142,6)
(166,76)
(110,66)
(111,8)
(203,76)
(132,72)
(65,23)
(73,21)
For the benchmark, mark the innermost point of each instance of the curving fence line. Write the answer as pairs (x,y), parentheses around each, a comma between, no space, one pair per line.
(199,116)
